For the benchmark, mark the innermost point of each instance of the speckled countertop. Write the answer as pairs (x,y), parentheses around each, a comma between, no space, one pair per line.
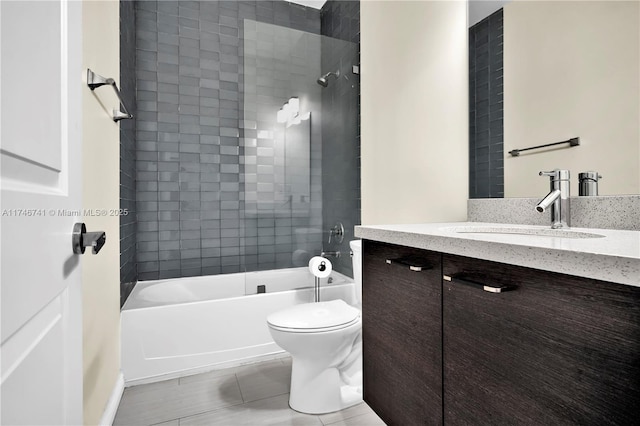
(613,256)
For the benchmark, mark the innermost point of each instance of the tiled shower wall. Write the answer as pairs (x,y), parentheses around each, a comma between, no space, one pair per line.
(192,138)
(341,125)
(486,110)
(128,258)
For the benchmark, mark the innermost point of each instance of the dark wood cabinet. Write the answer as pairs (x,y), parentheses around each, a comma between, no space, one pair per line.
(402,334)
(555,350)
(549,349)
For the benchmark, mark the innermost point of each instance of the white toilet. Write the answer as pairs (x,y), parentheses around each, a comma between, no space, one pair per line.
(325,343)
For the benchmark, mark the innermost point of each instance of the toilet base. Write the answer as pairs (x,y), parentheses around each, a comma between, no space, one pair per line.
(326,367)
(332,389)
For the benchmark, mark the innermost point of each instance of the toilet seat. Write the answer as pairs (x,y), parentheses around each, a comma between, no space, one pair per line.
(314,317)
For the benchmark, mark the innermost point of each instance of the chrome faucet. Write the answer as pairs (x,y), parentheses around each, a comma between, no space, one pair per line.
(557,198)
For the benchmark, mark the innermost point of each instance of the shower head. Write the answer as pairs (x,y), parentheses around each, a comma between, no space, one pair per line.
(324,80)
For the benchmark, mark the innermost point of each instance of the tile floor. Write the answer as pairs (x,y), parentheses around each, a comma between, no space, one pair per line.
(256,394)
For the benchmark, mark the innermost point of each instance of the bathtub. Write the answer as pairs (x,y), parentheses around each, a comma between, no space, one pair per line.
(177,327)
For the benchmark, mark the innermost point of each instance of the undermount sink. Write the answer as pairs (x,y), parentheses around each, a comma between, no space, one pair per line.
(538,232)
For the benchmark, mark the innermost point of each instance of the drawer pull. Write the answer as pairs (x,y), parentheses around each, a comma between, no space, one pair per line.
(415,263)
(484,287)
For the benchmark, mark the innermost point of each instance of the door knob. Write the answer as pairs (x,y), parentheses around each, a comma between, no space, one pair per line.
(81,239)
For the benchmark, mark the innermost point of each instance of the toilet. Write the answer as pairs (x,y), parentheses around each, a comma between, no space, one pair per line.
(325,343)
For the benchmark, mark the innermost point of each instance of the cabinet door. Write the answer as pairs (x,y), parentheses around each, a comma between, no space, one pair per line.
(556,350)
(402,335)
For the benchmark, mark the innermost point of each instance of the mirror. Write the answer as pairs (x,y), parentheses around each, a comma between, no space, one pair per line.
(567,69)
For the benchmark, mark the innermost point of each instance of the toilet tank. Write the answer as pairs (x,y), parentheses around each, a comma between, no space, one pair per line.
(356,248)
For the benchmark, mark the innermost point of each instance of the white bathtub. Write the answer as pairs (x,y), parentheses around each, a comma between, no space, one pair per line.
(177,327)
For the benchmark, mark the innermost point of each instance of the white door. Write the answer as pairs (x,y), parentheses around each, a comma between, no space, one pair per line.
(41,317)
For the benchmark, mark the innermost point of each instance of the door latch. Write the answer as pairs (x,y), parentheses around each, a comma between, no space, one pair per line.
(81,239)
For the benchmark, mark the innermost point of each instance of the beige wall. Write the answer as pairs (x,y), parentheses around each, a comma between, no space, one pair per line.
(572,69)
(414,86)
(101,165)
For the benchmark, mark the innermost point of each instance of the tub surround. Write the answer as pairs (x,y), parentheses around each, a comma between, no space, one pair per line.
(602,212)
(196,143)
(614,258)
(204,130)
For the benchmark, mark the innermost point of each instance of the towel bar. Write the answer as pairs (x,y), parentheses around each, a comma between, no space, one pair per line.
(571,142)
(95,80)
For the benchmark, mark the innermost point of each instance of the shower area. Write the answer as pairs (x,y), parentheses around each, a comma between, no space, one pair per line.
(243,155)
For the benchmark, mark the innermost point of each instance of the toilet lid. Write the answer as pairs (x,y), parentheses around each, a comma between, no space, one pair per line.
(315,316)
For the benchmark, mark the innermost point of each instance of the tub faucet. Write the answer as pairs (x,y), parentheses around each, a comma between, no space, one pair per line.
(335,254)
(557,198)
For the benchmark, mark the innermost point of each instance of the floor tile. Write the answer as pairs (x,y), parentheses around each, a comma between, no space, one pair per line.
(216,398)
(269,411)
(264,381)
(231,370)
(205,377)
(163,401)
(368,419)
(152,388)
(356,410)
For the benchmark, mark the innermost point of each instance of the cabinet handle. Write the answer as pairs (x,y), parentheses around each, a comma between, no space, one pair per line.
(489,288)
(414,263)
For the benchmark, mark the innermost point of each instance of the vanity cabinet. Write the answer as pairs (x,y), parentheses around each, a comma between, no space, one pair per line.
(498,344)
(552,349)
(402,333)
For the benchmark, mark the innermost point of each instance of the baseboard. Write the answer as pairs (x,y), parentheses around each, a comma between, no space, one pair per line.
(110,410)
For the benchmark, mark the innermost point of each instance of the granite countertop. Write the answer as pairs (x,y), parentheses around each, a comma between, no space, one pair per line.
(614,256)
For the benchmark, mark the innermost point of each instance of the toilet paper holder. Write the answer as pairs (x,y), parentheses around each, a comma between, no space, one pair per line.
(320,267)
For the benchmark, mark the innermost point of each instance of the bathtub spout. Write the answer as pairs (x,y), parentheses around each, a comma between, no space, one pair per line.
(335,254)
